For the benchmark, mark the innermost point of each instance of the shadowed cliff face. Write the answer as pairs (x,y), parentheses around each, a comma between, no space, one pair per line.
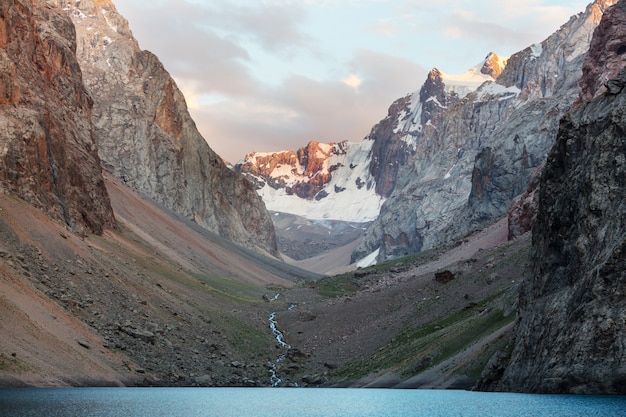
(47,152)
(147,138)
(571,329)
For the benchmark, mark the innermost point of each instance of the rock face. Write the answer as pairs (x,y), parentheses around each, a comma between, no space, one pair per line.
(146,137)
(523,211)
(310,164)
(607,53)
(48,154)
(474,150)
(571,329)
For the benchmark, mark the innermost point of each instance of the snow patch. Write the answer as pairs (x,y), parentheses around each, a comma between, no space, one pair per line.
(436,101)
(465,83)
(414,112)
(411,140)
(369,260)
(536,49)
(491,89)
(449,173)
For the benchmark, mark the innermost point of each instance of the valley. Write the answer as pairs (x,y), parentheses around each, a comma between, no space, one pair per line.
(156,301)
(474,239)
(160,301)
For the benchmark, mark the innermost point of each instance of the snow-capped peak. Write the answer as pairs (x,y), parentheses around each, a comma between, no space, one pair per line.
(322,181)
(468,81)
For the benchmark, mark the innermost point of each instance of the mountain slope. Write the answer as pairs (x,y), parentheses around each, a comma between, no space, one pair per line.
(479,151)
(158,301)
(146,136)
(150,297)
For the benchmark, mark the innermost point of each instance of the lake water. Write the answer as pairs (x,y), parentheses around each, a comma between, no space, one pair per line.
(282,402)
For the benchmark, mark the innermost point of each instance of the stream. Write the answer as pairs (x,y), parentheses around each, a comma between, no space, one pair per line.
(275,380)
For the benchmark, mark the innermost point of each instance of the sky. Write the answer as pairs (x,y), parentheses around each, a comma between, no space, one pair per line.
(270,75)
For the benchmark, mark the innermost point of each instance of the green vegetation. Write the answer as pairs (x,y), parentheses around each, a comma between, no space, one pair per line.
(245,338)
(415,350)
(475,367)
(335,286)
(347,284)
(231,289)
(413,259)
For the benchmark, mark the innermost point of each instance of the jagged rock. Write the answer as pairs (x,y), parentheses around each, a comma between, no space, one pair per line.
(146,137)
(607,55)
(84,344)
(523,211)
(309,163)
(569,338)
(493,66)
(444,276)
(493,372)
(481,146)
(48,155)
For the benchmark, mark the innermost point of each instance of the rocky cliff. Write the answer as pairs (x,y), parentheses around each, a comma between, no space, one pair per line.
(475,150)
(571,329)
(48,155)
(146,137)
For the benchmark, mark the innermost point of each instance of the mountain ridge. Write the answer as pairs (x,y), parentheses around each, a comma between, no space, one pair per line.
(318,174)
(146,137)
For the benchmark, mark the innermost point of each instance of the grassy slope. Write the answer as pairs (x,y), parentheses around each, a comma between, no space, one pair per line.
(406,325)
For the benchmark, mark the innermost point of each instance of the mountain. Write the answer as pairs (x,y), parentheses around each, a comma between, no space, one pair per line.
(102,285)
(447,159)
(570,332)
(471,154)
(146,137)
(48,152)
(322,181)
(338,185)
(99,284)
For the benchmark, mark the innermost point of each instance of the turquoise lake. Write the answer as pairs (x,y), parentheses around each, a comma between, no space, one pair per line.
(279,402)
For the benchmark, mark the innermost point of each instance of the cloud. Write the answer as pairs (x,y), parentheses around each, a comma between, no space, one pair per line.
(274,27)
(302,109)
(257,76)
(352,80)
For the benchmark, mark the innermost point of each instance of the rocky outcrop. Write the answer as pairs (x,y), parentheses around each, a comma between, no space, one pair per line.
(493,66)
(607,53)
(523,211)
(147,138)
(570,334)
(48,154)
(303,173)
(571,328)
(547,75)
(479,151)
